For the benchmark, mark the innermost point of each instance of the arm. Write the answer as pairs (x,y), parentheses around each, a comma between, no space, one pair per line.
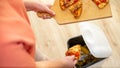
(67,62)
(14,54)
(50,64)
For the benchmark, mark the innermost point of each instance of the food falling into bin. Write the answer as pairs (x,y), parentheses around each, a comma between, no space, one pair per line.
(75,50)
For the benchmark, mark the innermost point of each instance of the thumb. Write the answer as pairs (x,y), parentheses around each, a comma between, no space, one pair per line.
(75,61)
(49,5)
(48,10)
(72,57)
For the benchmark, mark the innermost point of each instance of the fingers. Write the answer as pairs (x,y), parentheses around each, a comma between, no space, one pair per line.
(44,8)
(44,15)
(49,5)
(70,61)
(48,10)
(47,13)
(73,59)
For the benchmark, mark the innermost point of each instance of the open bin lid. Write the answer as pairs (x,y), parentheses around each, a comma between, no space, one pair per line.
(95,40)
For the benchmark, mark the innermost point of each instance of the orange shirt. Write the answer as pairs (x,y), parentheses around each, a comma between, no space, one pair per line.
(17,41)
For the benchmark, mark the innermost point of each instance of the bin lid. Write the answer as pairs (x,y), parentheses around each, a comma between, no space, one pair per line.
(95,40)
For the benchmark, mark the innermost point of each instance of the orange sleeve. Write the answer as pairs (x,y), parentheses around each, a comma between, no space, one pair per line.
(14,55)
(17,41)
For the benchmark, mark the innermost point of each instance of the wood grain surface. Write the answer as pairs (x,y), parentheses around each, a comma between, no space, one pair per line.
(90,11)
(51,38)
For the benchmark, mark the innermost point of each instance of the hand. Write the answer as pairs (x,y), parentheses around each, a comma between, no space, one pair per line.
(69,61)
(43,9)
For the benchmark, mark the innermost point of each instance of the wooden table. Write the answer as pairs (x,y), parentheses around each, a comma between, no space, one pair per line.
(52,38)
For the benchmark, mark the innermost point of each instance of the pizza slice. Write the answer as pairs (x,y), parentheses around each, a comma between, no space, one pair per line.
(76,9)
(42,14)
(75,50)
(66,3)
(101,3)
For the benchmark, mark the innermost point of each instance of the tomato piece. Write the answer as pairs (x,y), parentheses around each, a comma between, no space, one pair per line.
(77,54)
(75,0)
(103,1)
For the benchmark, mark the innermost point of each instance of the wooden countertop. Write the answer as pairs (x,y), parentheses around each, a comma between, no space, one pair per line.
(52,38)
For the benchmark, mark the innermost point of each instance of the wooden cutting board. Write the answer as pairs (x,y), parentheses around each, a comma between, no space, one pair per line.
(90,11)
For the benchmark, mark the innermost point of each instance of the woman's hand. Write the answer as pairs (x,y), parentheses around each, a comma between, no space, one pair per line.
(69,61)
(43,10)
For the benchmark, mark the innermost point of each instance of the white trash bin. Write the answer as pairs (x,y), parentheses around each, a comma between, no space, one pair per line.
(94,40)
